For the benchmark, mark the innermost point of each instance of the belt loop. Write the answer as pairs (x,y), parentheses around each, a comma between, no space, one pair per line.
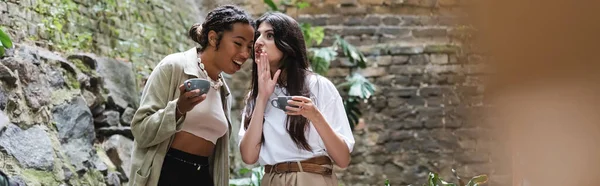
(300,166)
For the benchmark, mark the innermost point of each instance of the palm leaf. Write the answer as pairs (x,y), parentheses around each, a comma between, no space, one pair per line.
(359,86)
(321,59)
(354,55)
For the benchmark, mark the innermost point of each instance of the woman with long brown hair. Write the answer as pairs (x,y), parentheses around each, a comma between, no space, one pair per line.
(297,144)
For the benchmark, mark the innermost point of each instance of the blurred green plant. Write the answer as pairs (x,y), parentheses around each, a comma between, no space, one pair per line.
(433,179)
(5,42)
(254,180)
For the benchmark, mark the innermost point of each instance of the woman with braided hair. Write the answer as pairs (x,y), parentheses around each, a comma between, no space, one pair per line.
(181,137)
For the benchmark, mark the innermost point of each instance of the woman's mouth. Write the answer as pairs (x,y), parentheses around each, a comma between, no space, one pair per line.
(237,64)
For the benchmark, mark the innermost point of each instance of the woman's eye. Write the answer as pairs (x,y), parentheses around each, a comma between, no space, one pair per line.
(238,44)
(269,36)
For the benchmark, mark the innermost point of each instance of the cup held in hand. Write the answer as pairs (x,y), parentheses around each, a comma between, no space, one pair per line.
(197,83)
(281,102)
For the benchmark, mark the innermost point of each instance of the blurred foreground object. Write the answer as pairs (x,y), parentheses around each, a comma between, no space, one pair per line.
(545,87)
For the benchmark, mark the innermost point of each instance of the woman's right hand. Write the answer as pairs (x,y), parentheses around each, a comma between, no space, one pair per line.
(266,84)
(188,100)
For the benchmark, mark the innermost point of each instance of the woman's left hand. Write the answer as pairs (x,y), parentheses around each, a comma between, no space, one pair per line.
(304,107)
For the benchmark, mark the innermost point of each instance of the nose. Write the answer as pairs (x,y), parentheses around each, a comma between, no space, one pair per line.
(258,45)
(245,54)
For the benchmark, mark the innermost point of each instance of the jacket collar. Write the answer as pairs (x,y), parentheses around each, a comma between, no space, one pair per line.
(191,68)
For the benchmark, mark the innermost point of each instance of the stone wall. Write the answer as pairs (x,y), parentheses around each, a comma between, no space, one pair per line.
(65,119)
(65,116)
(142,32)
(427,82)
(415,123)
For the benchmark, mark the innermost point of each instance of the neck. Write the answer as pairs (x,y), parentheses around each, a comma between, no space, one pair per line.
(282,76)
(209,64)
(274,68)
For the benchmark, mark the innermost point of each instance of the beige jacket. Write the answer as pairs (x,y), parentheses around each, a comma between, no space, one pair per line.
(153,125)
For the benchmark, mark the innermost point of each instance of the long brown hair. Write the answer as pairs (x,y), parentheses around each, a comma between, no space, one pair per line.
(294,66)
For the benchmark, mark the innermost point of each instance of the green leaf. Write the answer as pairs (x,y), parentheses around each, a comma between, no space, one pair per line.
(478,180)
(302,5)
(352,111)
(444,183)
(354,55)
(320,66)
(360,86)
(244,170)
(431,179)
(312,35)
(321,59)
(271,5)
(318,34)
(5,40)
(1,51)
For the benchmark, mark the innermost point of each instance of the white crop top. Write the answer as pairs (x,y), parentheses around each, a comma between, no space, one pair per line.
(207,119)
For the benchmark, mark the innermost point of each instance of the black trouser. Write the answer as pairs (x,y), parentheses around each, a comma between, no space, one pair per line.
(182,168)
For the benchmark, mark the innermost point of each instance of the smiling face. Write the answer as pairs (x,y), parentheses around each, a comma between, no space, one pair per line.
(234,48)
(266,41)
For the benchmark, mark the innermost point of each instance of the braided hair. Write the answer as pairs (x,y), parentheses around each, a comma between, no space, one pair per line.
(220,19)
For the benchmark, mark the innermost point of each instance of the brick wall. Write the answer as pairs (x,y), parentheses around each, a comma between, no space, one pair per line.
(427,84)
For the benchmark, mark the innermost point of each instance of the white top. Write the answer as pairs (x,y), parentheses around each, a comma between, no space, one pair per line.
(278,145)
(207,120)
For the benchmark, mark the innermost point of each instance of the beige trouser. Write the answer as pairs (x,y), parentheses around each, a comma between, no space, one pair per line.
(299,179)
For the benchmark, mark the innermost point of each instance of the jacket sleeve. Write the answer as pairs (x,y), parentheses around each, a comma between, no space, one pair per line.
(154,121)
